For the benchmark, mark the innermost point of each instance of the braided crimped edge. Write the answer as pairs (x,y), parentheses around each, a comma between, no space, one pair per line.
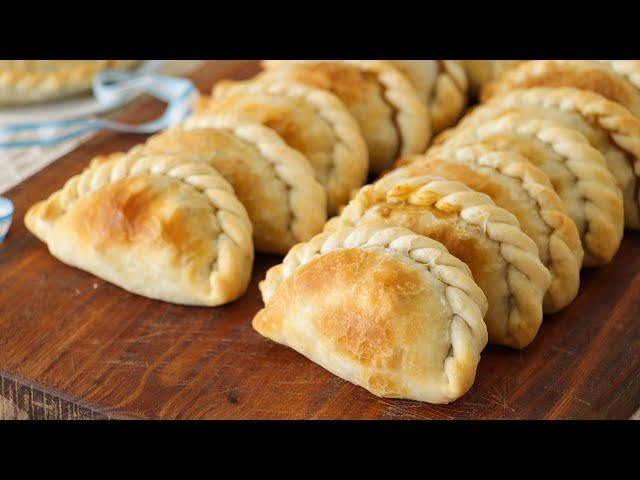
(445,95)
(519,78)
(564,244)
(465,299)
(481,72)
(411,114)
(23,86)
(307,198)
(602,196)
(527,277)
(622,126)
(234,242)
(450,96)
(627,68)
(350,155)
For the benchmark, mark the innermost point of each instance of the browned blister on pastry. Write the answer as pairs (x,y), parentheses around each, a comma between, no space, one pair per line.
(275,183)
(383,308)
(503,259)
(160,226)
(382,100)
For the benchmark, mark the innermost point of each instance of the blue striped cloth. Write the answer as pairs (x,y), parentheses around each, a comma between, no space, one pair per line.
(111,88)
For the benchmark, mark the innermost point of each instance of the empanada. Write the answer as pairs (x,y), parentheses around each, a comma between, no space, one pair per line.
(503,259)
(514,184)
(383,308)
(598,77)
(310,120)
(392,118)
(577,171)
(274,182)
(159,226)
(481,72)
(608,126)
(442,87)
(30,81)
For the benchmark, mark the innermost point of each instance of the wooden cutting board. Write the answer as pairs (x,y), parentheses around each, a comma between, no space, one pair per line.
(74,346)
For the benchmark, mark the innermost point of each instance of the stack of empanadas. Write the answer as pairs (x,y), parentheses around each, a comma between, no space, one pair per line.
(468,242)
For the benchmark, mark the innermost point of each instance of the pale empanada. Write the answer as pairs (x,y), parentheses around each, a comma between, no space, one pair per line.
(481,72)
(516,185)
(30,81)
(159,226)
(577,171)
(608,126)
(383,308)
(310,120)
(442,87)
(392,118)
(503,259)
(599,77)
(274,182)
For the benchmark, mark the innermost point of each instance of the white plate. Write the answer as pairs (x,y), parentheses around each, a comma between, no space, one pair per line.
(75,107)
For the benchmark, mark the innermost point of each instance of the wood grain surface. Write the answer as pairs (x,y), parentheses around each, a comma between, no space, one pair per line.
(74,346)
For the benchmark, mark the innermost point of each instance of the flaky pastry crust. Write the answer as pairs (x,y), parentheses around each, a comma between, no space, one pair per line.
(441,85)
(386,106)
(519,187)
(159,226)
(304,206)
(311,120)
(481,72)
(609,127)
(503,259)
(577,171)
(598,77)
(383,308)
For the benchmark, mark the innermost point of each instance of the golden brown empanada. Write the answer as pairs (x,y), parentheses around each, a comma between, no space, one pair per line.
(442,87)
(598,77)
(383,308)
(159,226)
(577,171)
(514,184)
(382,100)
(310,120)
(481,72)
(503,259)
(608,126)
(30,81)
(274,182)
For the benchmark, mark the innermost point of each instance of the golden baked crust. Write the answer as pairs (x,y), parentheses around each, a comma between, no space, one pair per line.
(608,126)
(514,184)
(577,171)
(310,120)
(387,108)
(383,308)
(503,259)
(598,77)
(481,72)
(30,81)
(159,226)
(273,181)
(441,85)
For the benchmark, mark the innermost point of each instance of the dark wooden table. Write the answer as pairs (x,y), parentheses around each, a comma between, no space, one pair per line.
(74,346)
